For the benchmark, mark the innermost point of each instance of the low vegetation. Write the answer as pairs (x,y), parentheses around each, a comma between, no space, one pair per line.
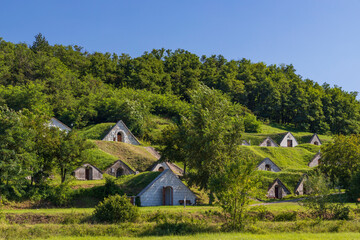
(116,209)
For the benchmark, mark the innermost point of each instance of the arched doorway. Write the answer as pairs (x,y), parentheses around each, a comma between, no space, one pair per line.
(316,143)
(161,169)
(88,173)
(119,172)
(168,195)
(119,137)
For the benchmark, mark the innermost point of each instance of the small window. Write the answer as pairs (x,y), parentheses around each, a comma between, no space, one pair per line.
(267,167)
(161,169)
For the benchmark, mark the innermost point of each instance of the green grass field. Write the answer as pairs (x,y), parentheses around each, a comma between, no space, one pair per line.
(237,236)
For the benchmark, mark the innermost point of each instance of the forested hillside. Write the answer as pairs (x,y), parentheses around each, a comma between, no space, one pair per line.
(82,88)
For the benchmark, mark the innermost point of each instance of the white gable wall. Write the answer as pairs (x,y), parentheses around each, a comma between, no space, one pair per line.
(273,167)
(315,161)
(56,123)
(127,137)
(153,195)
(287,137)
(157,166)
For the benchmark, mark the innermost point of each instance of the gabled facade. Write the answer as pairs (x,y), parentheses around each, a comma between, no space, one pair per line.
(120,133)
(268,142)
(119,168)
(268,165)
(58,124)
(277,190)
(162,166)
(88,172)
(288,141)
(315,140)
(166,189)
(315,160)
(300,188)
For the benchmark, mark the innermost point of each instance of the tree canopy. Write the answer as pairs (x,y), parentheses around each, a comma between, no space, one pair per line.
(81,88)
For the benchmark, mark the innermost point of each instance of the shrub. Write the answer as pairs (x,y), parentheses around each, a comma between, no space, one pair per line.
(110,187)
(285,216)
(116,208)
(61,195)
(353,191)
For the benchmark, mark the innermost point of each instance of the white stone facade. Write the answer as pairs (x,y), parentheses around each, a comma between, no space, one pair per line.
(88,172)
(119,168)
(315,161)
(58,124)
(268,165)
(288,141)
(268,142)
(315,140)
(277,190)
(121,133)
(153,194)
(300,189)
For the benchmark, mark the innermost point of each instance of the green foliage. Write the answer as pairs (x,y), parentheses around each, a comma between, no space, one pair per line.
(207,136)
(320,201)
(116,209)
(354,188)
(234,186)
(110,187)
(340,159)
(81,88)
(96,132)
(60,195)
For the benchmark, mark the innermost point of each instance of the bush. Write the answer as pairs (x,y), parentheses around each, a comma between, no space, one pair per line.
(110,187)
(354,189)
(285,216)
(115,209)
(61,195)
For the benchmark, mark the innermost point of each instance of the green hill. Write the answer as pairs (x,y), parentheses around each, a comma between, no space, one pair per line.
(277,132)
(136,157)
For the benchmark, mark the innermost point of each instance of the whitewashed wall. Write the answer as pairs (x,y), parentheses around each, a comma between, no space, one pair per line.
(273,167)
(127,137)
(288,136)
(153,195)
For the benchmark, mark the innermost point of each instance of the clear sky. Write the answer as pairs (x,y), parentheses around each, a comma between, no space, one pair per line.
(321,38)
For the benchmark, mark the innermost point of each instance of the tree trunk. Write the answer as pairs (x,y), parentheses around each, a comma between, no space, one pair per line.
(63,174)
(211,197)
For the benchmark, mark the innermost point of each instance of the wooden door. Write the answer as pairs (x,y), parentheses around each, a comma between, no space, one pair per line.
(289,143)
(276,191)
(168,196)
(119,137)
(88,173)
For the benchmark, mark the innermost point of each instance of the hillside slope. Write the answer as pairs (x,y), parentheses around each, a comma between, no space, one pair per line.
(136,156)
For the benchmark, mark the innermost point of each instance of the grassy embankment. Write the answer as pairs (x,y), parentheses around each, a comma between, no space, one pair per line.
(282,221)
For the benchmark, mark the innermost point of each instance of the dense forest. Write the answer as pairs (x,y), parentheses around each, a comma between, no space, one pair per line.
(82,88)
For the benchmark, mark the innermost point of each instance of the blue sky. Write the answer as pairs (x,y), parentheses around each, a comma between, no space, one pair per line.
(321,38)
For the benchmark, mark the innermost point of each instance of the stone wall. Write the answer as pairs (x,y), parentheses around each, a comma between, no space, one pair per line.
(315,161)
(127,137)
(119,164)
(267,161)
(288,136)
(153,196)
(81,172)
(282,191)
